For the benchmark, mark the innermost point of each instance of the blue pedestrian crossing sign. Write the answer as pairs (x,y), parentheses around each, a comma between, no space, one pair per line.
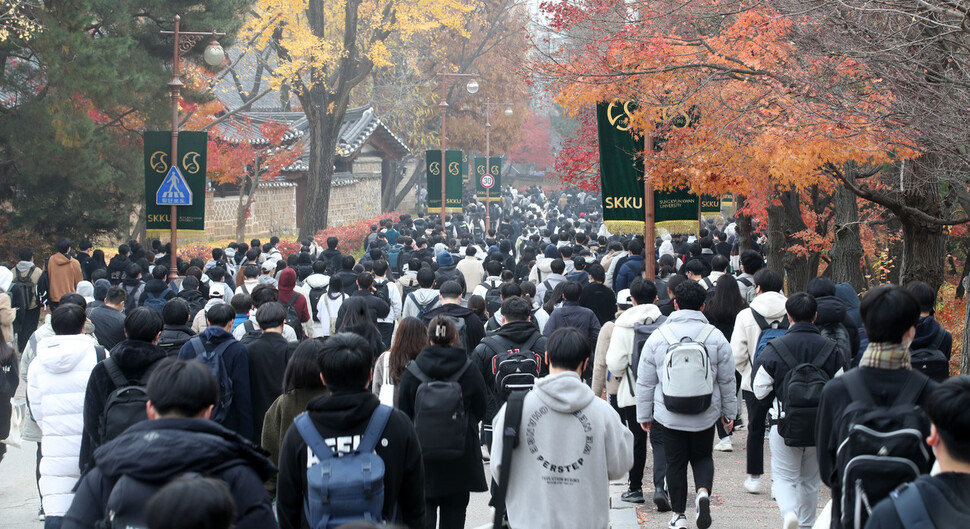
(174,191)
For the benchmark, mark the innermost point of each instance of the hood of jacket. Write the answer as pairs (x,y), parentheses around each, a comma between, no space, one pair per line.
(544,264)
(564,392)
(518,332)
(61,354)
(317,281)
(441,362)
(449,309)
(59,259)
(131,282)
(212,302)
(637,314)
(170,332)
(343,410)
(424,295)
(831,310)
(847,294)
(24,266)
(287,281)
(215,335)
(156,286)
(926,331)
(158,449)
(135,354)
(189,295)
(771,305)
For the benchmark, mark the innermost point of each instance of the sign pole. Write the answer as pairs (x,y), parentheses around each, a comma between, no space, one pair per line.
(488,170)
(649,229)
(175,85)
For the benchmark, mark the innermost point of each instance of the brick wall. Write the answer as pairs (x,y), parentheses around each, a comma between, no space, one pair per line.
(355,199)
(272,213)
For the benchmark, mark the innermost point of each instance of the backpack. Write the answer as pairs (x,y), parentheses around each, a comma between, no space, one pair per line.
(125,405)
(547,294)
(514,368)
(688,384)
(882,446)
(408,289)
(910,507)
(768,333)
(28,290)
(930,360)
(155,301)
(641,332)
(801,390)
(293,318)
(421,308)
(346,488)
(382,292)
(462,327)
(493,296)
(394,256)
(510,441)
(839,335)
(132,293)
(252,332)
(217,364)
(125,507)
(439,414)
(315,294)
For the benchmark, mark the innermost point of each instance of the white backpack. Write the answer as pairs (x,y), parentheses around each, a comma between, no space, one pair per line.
(686,378)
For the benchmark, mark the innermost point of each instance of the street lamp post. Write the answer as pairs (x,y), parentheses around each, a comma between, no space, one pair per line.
(214,55)
(472,88)
(488,165)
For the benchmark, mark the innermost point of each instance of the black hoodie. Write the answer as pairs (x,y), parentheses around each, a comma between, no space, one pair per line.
(341,419)
(134,358)
(447,477)
(157,287)
(173,337)
(926,331)
(159,450)
(474,330)
(946,496)
(512,335)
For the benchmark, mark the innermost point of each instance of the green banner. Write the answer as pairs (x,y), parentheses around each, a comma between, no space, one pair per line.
(676,211)
(710,204)
(192,163)
(495,172)
(453,184)
(621,170)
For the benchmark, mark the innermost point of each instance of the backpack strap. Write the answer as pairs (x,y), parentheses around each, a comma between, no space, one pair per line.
(196,342)
(823,356)
(100,352)
(249,326)
(416,371)
(117,377)
(704,334)
(667,335)
(785,353)
(911,508)
(856,386)
(457,376)
(510,438)
(760,320)
(312,436)
(375,427)
(938,340)
(911,390)
(746,282)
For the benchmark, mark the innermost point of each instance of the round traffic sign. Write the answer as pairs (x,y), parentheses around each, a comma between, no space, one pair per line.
(488,181)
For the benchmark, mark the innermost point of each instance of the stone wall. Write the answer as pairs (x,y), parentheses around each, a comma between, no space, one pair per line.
(273,212)
(354,199)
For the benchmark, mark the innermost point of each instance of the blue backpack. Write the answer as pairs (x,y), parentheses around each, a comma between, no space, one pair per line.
(349,487)
(214,361)
(394,256)
(769,331)
(155,301)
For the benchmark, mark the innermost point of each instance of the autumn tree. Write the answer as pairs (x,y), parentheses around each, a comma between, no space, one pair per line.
(326,49)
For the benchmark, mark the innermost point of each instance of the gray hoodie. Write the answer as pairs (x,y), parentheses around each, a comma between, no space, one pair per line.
(427,297)
(572,444)
(650,400)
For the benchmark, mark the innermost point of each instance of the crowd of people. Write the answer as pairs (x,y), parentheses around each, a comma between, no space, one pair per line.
(534,359)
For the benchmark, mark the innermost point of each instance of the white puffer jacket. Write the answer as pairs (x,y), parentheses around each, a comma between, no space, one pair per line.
(56,385)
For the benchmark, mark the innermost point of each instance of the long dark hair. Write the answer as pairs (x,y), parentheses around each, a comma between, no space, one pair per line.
(411,337)
(6,353)
(726,302)
(98,257)
(302,371)
(556,297)
(336,287)
(357,319)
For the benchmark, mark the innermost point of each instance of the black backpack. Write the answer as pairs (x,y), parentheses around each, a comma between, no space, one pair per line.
(439,414)
(125,507)
(547,294)
(882,446)
(514,368)
(493,297)
(930,360)
(799,394)
(27,288)
(293,317)
(216,363)
(641,333)
(125,405)
(839,335)
(252,332)
(315,294)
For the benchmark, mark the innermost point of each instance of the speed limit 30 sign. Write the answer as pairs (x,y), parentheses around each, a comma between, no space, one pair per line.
(487,181)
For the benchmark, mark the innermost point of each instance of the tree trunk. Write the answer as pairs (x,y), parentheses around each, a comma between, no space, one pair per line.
(923,250)
(774,248)
(847,252)
(319,176)
(743,229)
(895,250)
(397,198)
(964,357)
(799,268)
(245,203)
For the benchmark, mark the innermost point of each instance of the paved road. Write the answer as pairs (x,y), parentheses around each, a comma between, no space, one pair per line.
(732,507)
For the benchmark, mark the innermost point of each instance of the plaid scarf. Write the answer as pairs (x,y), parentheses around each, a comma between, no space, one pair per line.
(886,356)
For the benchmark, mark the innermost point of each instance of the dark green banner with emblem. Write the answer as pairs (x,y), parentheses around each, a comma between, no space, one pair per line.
(453,184)
(676,211)
(621,169)
(192,164)
(495,177)
(710,204)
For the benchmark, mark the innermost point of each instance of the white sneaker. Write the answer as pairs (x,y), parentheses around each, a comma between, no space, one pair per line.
(791,521)
(703,504)
(724,445)
(752,485)
(679,521)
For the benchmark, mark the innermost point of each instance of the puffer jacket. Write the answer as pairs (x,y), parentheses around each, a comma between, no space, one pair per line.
(56,384)
(621,348)
(771,306)
(650,399)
